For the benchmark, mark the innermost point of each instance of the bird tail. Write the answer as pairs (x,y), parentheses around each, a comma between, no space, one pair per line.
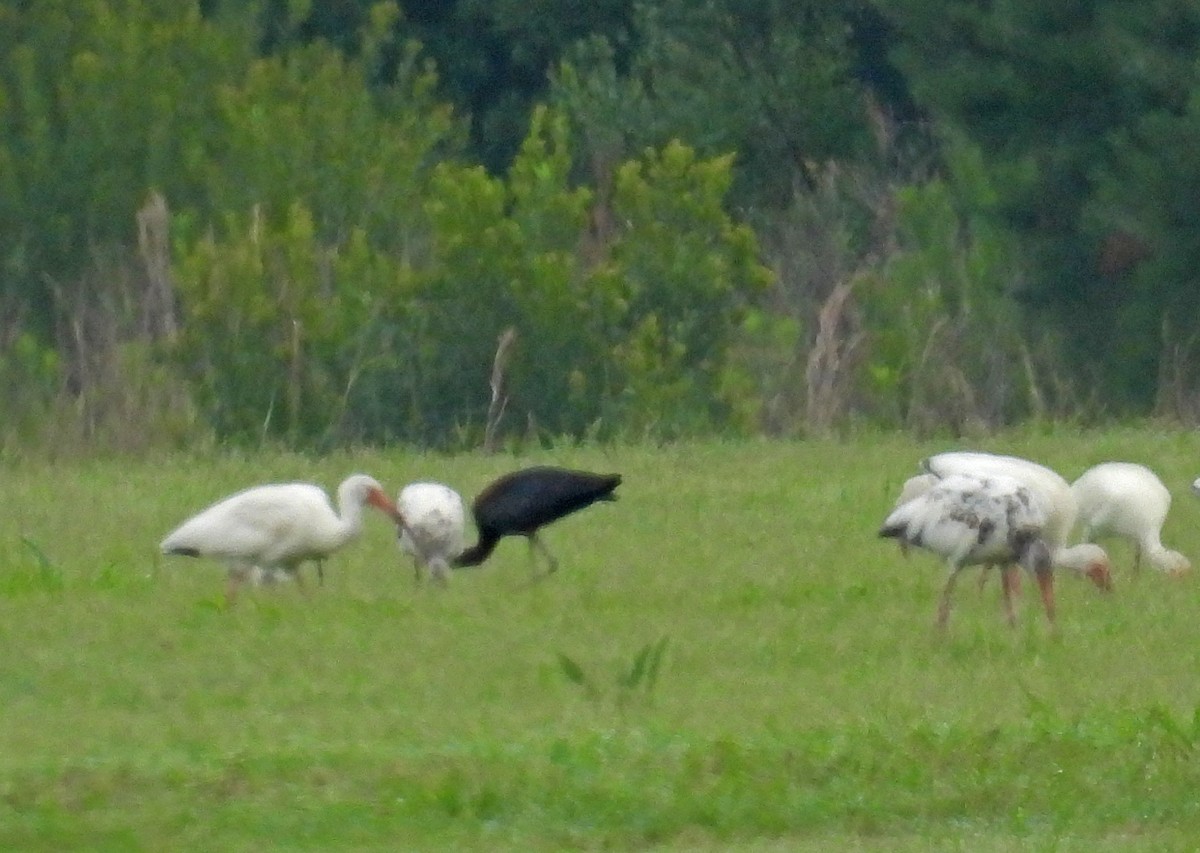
(897,524)
(476,554)
(181,541)
(181,550)
(607,484)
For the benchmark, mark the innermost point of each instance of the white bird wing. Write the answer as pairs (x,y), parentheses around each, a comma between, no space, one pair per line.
(1052,490)
(263,524)
(1033,474)
(915,486)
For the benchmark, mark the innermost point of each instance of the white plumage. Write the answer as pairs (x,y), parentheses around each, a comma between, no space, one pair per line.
(913,488)
(916,486)
(978,520)
(265,532)
(1129,501)
(434,527)
(1055,494)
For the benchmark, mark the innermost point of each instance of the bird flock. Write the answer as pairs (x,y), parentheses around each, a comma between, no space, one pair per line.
(1006,512)
(266,533)
(969,508)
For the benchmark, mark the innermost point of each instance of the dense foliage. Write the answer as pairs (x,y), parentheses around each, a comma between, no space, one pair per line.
(315,222)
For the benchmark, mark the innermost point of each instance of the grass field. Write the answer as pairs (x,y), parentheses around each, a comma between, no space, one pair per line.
(802,700)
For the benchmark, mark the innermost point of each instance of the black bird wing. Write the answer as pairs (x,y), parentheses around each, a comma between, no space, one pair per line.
(523,501)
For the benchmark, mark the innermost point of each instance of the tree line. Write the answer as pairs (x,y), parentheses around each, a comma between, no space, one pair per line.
(464,222)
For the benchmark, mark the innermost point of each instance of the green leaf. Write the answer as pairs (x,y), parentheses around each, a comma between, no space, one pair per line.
(634,676)
(572,670)
(655,663)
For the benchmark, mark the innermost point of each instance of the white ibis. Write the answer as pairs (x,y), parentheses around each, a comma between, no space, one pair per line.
(1054,493)
(266,532)
(432,532)
(1128,500)
(520,503)
(979,520)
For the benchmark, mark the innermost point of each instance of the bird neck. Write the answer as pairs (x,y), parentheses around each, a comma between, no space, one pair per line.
(1163,558)
(1076,558)
(350,511)
(1152,546)
(477,553)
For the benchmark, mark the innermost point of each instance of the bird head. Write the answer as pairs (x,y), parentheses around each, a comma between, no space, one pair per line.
(1099,573)
(1175,564)
(1090,560)
(368,492)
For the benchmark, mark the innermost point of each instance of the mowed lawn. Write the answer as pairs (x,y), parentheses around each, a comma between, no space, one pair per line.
(801,701)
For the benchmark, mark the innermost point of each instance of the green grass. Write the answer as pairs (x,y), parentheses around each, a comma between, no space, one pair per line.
(801,700)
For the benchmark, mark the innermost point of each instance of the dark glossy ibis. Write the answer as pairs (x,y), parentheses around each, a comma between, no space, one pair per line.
(521,503)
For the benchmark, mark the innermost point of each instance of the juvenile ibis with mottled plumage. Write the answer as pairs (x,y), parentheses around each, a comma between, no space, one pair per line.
(1053,491)
(978,520)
